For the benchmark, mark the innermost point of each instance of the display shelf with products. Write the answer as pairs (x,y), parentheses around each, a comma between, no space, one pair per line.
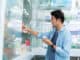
(54,4)
(12,30)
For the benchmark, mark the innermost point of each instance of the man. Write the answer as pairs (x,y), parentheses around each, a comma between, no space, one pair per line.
(58,40)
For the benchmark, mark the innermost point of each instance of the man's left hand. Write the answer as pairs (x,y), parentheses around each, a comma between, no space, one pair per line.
(48,42)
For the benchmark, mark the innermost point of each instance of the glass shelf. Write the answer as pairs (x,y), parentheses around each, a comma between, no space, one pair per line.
(54,4)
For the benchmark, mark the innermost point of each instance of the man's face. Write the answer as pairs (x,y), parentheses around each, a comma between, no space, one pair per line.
(54,21)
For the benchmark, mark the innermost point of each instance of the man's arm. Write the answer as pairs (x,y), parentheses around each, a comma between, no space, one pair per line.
(48,42)
(29,30)
(45,40)
(35,33)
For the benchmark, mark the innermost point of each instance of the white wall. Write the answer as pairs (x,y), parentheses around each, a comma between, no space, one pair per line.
(2,12)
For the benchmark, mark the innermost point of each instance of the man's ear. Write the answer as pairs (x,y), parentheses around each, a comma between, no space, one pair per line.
(58,20)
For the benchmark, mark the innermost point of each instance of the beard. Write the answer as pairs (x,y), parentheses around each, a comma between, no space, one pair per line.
(53,26)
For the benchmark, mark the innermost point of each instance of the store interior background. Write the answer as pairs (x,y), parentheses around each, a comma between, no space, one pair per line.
(36,14)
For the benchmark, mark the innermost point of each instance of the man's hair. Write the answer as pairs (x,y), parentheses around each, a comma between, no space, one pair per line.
(58,14)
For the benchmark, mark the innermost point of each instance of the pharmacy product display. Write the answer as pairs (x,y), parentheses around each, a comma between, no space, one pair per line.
(12,30)
(54,4)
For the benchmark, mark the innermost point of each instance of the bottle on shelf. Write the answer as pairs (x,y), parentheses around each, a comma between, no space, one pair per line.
(27,43)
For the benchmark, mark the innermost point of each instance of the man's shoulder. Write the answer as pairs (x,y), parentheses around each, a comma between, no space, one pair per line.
(66,31)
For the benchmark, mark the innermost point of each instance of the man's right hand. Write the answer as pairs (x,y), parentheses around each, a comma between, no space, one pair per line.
(25,29)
